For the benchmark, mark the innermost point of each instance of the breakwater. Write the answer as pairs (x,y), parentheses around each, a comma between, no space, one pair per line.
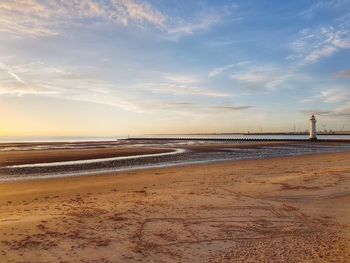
(233,139)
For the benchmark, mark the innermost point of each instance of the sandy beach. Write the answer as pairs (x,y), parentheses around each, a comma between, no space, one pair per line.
(285,209)
(160,131)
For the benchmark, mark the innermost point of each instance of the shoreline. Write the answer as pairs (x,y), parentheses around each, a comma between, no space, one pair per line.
(8,158)
(107,176)
(248,210)
(42,164)
(159,167)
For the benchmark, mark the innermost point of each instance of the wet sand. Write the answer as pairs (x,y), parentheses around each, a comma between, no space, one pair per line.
(60,155)
(52,160)
(31,153)
(286,209)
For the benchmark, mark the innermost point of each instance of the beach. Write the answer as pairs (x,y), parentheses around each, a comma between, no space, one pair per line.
(277,209)
(160,131)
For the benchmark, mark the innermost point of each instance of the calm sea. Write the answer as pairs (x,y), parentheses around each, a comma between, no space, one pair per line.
(22,139)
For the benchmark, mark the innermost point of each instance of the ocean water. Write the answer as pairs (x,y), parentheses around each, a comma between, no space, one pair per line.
(252,136)
(23,139)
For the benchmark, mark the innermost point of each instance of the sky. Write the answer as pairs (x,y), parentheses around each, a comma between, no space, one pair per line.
(117,67)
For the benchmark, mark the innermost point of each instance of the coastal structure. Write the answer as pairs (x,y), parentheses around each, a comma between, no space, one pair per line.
(312,135)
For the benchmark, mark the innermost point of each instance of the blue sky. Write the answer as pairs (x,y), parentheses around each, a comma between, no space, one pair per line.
(109,67)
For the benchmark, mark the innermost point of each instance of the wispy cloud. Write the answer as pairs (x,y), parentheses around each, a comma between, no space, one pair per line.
(180,89)
(320,6)
(338,98)
(179,84)
(141,11)
(44,18)
(315,44)
(231,108)
(49,18)
(340,111)
(316,112)
(200,22)
(69,84)
(336,95)
(223,43)
(343,73)
(15,90)
(181,79)
(45,80)
(343,110)
(203,23)
(265,78)
(219,70)
(10,72)
(175,106)
(12,84)
(255,77)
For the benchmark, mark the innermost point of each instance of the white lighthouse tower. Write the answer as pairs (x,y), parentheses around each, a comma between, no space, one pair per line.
(312,135)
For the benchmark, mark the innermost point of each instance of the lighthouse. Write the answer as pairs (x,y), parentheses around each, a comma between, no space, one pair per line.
(312,135)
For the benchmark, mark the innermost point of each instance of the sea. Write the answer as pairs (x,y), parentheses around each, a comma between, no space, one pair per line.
(31,139)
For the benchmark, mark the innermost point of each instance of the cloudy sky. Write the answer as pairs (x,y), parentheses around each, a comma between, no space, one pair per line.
(114,67)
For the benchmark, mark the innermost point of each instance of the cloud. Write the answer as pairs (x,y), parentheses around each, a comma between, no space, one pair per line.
(218,71)
(336,95)
(322,5)
(177,85)
(113,100)
(257,79)
(340,111)
(80,85)
(343,73)
(10,72)
(325,51)
(14,90)
(180,89)
(317,112)
(181,79)
(200,21)
(187,104)
(222,43)
(315,44)
(50,18)
(231,108)
(172,106)
(48,81)
(339,97)
(142,12)
(343,110)
(45,18)
(12,84)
